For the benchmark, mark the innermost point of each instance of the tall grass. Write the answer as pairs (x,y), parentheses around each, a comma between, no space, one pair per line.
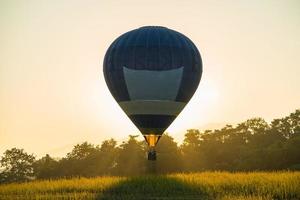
(205,185)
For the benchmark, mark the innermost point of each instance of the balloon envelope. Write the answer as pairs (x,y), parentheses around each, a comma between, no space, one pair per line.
(152,72)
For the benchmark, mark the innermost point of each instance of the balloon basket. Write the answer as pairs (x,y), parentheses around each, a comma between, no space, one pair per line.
(152,155)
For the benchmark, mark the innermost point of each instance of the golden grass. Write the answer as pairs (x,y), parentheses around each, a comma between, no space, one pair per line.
(204,185)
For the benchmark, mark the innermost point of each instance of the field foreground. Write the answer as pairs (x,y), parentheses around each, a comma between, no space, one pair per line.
(206,185)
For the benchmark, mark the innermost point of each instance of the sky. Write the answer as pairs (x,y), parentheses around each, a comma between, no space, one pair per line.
(52,90)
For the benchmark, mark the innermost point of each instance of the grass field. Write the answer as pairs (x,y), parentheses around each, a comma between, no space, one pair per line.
(206,185)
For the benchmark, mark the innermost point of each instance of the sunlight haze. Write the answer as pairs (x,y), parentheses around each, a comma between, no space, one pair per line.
(53,94)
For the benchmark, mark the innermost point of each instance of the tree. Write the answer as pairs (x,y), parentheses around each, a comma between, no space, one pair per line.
(168,155)
(18,165)
(81,151)
(292,152)
(107,157)
(103,161)
(45,167)
(191,154)
(79,162)
(288,126)
(131,157)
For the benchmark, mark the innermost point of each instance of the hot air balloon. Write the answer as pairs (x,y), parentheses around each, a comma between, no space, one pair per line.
(152,72)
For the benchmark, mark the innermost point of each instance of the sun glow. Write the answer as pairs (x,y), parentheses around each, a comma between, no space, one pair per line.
(201,107)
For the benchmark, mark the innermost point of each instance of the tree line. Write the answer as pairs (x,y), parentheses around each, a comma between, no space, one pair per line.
(249,146)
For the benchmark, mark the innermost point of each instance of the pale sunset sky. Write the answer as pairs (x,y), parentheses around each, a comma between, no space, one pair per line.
(52,90)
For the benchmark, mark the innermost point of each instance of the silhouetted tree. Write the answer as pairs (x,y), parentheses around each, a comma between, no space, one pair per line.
(288,126)
(78,161)
(168,156)
(81,151)
(17,165)
(291,150)
(104,161)
(131,157)
(45,168)
(192,157)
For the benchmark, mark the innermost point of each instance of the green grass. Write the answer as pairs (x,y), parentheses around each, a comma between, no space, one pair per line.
(206,185)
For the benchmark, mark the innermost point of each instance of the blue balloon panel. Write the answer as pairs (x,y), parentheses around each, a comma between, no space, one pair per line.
(152,72)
